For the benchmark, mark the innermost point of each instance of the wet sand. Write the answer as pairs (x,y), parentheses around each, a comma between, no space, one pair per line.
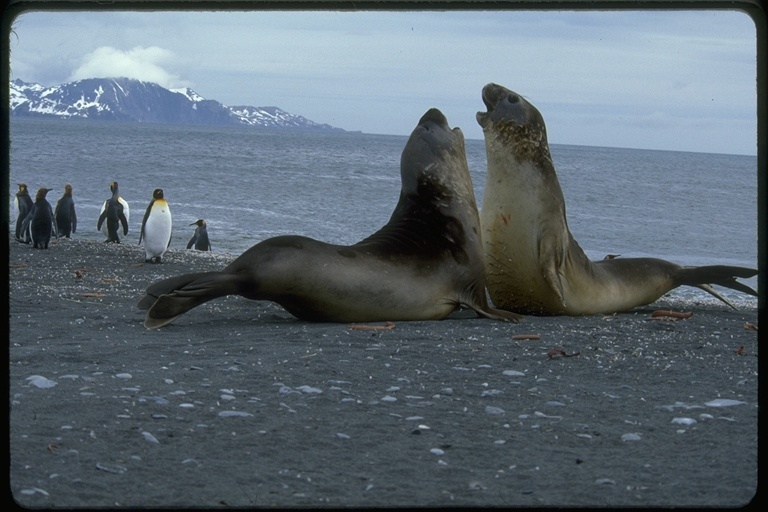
(239,404)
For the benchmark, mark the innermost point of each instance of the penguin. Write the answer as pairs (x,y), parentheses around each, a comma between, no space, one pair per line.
(114,211)
(40,222)
(156,228)
(24,204)
(200,239)
(66,218)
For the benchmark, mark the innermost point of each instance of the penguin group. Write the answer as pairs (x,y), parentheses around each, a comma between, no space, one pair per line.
(32,217)
(37,222)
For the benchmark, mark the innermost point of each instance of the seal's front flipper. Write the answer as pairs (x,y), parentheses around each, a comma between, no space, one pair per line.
(551,262)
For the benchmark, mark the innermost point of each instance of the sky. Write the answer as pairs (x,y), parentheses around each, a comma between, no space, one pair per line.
(670,80)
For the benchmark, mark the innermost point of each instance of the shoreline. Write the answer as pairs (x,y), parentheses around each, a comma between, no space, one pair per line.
(237,403)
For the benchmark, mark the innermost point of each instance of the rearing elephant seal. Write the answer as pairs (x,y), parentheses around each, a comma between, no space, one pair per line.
(425,262)
(534,266)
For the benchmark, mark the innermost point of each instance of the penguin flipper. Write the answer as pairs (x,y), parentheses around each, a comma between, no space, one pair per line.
(124,222)
(144,220)
(192,241)
(101,220)
(25,225)
(54,224)
(170,298)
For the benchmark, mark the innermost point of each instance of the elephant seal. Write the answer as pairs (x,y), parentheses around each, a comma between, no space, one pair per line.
(424,263)
(534,265)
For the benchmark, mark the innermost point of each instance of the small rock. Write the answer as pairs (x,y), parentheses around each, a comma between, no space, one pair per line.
(40,382)
(310,390)
(724,402)
(111,468)
(150,438)
(231,414)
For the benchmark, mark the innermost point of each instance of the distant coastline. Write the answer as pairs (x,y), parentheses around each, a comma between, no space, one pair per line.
(107,123)
(130,100)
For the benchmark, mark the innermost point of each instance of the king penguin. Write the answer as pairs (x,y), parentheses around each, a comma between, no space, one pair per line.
(66,218)
(114,211)
(200,239)
(40,221)
(156,228)
(24,203)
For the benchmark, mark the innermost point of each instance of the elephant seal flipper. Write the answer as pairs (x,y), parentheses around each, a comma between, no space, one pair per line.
(534,266)
(722,275)
(707,288)
(170,298)
(422,265)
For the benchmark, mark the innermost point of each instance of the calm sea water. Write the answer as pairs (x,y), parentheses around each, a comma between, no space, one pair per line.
(690,208)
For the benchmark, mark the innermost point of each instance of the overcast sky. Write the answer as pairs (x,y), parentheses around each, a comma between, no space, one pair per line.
(657,80)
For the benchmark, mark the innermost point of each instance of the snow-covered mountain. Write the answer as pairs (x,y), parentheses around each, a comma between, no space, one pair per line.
(126,99)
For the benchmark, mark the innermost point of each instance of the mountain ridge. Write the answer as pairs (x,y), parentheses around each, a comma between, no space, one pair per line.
(131,100)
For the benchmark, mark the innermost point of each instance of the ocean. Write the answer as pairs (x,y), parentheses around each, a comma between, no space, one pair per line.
(248,185)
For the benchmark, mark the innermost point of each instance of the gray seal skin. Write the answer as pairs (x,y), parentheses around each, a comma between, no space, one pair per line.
(422,265)
(534,265)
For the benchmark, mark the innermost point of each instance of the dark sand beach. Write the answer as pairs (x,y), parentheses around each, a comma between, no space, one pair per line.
(239,404)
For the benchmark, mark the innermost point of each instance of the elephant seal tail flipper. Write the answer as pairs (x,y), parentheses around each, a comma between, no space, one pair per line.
(477,300)
(722,275)
(168,299)
(499,314)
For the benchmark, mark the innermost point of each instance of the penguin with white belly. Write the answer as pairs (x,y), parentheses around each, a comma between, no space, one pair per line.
(156,228)
(114,213)
(24,203)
